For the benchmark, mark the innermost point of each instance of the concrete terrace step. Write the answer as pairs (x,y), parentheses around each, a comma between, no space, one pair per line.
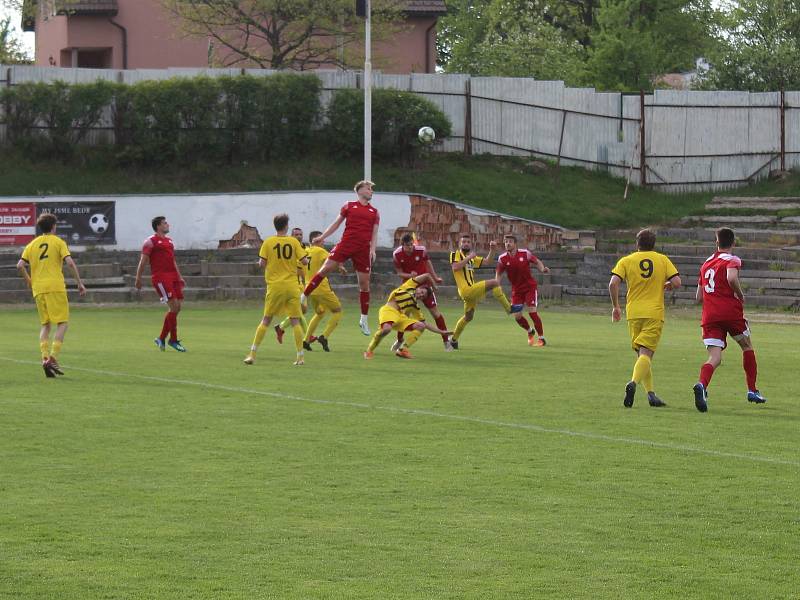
(764,203)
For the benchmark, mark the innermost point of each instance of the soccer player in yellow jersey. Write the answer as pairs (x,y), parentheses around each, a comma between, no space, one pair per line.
(45,255)
(464,261)
(281,327)
(280,255)
(394,315)
(648,274)
(323,300)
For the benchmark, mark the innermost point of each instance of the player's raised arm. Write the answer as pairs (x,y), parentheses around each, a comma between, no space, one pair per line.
(425,278)
(74,268)
(541,267)
(492,248)
(331,228)
(460,264)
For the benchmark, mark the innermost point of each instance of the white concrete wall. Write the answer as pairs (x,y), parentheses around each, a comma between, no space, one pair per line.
(201,221)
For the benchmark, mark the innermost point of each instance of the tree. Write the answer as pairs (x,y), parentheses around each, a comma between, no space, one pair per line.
(282,34)
(507,38)
(635,40)
(760,48)
(11,48)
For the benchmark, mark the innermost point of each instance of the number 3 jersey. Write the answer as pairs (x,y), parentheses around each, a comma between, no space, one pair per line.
(283,254)
(45,255)
(645,273)
(719,303)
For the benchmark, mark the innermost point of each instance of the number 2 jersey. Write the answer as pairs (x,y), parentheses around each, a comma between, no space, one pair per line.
(645,273)
(283,254)
(45,255)
(719,303)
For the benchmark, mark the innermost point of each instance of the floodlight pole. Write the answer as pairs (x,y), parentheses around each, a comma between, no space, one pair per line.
(368,95)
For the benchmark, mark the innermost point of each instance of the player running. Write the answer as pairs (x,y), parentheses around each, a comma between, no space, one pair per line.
(393,315)
(410,260)
(648,274)
(463,262)
(357,244)
(524,288)
(279,256)
(720,291)
(159,252)
(45,255)
(323,300)
(280,328)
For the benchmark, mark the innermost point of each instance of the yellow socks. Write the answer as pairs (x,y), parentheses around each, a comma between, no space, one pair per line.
(55,349)
(45,348)
(298,337)
(462,322)
(412,336)
(641,369)
(501,298)
(373,343)
(332,323)
(648,379)
(312,325)
(261,331)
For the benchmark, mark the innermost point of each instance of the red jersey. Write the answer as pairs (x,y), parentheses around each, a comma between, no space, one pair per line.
(360,221)
(518,268)
(162,255)
(417,261)
(719,303)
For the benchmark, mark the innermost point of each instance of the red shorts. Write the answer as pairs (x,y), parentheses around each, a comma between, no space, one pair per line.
(168,287)
(527,295)
(714,334)
(359,255)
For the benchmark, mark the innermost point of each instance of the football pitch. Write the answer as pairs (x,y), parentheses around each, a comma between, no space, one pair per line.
(497,471)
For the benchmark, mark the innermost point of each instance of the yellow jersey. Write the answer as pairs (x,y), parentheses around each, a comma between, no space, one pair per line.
(45,255)
(282,254)
(465,277)
(645,272)
(317,256)
(404,295)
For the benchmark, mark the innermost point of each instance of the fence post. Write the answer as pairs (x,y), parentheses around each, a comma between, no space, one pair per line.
(642,152)
(783,129)
(468,118)
(560,146)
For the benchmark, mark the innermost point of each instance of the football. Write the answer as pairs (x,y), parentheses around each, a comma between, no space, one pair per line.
(426,135)
(98,222)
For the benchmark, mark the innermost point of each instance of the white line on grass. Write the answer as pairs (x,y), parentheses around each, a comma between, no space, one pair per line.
(430,413)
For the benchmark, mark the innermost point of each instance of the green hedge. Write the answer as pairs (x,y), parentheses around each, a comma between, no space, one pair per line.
(396,119)
(216,120)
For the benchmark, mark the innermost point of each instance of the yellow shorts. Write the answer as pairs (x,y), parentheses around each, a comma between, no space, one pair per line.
(472,295)
(400,321)
(645,333)
(53,307)
(283,300)
(324,300)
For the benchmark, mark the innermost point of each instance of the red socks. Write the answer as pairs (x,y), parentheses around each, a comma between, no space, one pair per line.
(312,285)
(706,372)
(362,296)
(750,369)
(537,323)
(441,325)
(170,327)
(522,322)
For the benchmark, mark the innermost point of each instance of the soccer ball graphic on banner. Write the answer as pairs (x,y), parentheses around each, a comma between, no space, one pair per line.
(98,222)
(426,135)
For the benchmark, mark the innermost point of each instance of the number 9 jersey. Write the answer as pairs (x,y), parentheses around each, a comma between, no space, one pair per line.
(645,273)
(719,302)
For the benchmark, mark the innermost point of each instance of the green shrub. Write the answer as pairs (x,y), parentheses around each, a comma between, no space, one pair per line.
(396,119)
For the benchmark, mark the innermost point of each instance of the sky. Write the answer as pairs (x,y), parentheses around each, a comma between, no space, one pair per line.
(27,38)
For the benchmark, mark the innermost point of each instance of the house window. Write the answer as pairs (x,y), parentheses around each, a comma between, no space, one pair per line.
(96,58)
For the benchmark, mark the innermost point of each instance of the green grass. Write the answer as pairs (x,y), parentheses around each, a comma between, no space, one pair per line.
(575,198)
(498,471)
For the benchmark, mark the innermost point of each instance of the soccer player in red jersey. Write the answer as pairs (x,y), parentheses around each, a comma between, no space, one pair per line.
(719,290)
(357,244)
(159,251)
(516,264)
(410,260)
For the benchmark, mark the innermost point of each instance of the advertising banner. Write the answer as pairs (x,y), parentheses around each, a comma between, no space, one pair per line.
(83,223)
(17,223)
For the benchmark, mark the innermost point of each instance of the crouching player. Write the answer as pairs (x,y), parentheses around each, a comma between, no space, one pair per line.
(323,299)
(393,317)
